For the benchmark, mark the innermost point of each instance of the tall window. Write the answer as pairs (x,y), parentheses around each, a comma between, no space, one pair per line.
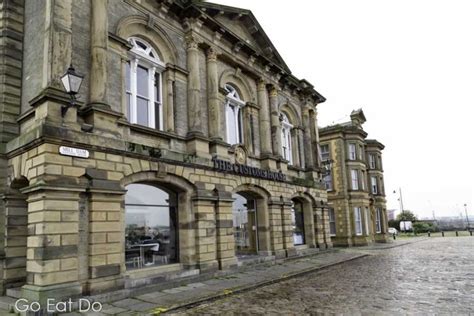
(362,180)
(286,138)
(358,221)
(324,149)
(234,115)
(150,226)
(367,217)
(355,179)
(373,184)
(372,163)
(352,152)
(143,85)
(361,152)
(378,226)
(332,222)
(297,219)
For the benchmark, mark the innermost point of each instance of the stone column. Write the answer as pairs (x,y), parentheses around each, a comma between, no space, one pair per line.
(99,39)
(205,225)
(309,225)
(225,232)
(315,138)
(170,102)
(52,251)
(299,134)
(14,260)
(275,120)
(287,229)
(194,89)
(214,107)
(276,228)
(295,147)
(325,227)
(318,225)
(264,115)
(308,145)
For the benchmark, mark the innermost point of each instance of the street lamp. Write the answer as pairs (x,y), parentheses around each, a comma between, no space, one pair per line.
(400,199)
(71,81)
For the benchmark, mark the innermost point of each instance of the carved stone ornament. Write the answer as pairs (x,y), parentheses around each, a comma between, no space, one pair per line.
(240,155)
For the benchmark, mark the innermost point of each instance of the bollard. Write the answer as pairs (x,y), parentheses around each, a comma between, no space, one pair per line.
(457,234)
(442,234)
(394,237)
(429,234)
(470,232)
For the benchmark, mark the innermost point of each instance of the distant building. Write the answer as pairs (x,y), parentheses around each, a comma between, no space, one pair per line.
(391,215)
(356,192)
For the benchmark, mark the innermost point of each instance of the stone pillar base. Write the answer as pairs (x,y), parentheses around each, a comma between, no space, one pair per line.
(291,252)
(219,148)
(269,163)
(208,266)
(342,241)
(228,263)
(34,293)
(97,286)
(198,147)
(279,254)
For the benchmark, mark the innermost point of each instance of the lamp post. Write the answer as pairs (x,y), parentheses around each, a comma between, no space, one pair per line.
(467,217)
(71,81)
(400,199)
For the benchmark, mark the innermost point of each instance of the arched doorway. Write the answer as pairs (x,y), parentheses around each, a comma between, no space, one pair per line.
(151,226)
(298,223)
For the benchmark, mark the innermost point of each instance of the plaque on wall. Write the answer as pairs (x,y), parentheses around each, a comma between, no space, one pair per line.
(73,152)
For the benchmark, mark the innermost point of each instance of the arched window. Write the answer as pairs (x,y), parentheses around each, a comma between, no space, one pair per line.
(234,115)
(287,150)
(143,85)
(150,226)
(297,219)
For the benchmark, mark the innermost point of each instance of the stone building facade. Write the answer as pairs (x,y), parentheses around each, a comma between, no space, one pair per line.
(356,193)
(190,146)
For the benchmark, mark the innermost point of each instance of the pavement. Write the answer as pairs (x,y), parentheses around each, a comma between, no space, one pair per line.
(184,298)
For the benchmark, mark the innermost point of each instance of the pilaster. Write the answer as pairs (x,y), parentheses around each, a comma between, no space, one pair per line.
(264,117)
(225,232)
(99,40)
(194,88)
(275,120)
(276,229)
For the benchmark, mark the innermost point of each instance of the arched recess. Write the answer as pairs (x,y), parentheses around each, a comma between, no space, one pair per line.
(257,197)
(308,203)
(14,234)
(138,26)
(242,86)
(184,191)
(291,113)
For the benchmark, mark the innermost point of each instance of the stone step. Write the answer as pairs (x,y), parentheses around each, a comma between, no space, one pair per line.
(6,304)
(14,292)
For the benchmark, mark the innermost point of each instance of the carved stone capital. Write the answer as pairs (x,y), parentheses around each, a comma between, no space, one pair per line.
(191,42)
(211,54)
(261,84)
(273,91)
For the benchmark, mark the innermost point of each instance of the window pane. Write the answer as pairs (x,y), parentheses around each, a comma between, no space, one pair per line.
(298,223)
(129,99)
(142,81)
(157,87)
(232,137)
(142,111)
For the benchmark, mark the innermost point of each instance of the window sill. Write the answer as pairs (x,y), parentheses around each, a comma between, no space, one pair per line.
(148,130)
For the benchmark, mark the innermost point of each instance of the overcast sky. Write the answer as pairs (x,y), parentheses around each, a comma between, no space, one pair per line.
(409,64)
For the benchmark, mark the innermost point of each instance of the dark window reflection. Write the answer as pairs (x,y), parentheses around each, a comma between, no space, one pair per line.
(298,223)
(150,226)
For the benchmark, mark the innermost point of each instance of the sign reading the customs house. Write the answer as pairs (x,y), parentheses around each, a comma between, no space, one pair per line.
(248,171)
(74,152)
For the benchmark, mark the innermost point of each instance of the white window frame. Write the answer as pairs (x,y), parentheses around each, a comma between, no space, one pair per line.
(358,221)
(325,155)
(378,226)
(362,180)
(352,152)
(373,185)
(372,162)
(332,222)
(286,146)
(233,112)
(148,59)
(354,179)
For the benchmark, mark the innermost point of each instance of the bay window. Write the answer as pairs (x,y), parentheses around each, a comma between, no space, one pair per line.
(352,152)
(378,226)
(355,179)
(358,221)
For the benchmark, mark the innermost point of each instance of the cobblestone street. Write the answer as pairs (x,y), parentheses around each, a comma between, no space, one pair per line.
(431,276)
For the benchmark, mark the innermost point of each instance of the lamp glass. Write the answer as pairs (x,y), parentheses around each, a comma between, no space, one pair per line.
(71,81)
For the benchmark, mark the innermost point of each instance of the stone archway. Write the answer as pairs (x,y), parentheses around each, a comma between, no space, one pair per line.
(256,226)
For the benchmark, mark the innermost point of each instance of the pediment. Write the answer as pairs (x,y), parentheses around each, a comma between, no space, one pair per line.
(243,24)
